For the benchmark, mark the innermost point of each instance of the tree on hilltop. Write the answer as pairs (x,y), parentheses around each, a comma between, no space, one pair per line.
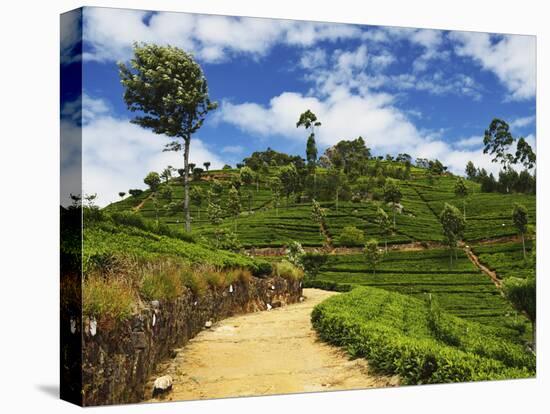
(461,191)
(168,89)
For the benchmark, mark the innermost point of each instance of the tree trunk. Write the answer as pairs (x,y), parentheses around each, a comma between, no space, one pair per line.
(523,242)
(187,143)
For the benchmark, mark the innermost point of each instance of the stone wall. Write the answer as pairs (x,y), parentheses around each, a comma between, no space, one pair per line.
(118,361)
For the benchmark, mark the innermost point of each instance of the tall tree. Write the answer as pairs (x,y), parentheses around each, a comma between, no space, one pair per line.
(336,180)
(373,256)
(525,154)
(197,195)
(520,219)
(384,225)
(121,194)
(453,227)
(497,141)
(289,180)
(206,165)
(276,188)
(471,171)
(522,293)
(168,89)
(393,195)
(309,121)
(461,191)
(234,204)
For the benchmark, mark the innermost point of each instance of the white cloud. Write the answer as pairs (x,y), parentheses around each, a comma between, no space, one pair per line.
(116,155)
(233,149)
(313,58)
(522,122)
(111,33)
(70,36)
(512,58)
(474,141)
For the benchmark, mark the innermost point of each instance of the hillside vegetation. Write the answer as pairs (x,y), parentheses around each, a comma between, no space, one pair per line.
(416,340)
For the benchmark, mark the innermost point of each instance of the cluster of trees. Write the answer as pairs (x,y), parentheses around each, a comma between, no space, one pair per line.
(508,180)
(499,143)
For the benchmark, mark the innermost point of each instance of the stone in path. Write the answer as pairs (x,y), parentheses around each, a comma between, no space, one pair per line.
(264,353)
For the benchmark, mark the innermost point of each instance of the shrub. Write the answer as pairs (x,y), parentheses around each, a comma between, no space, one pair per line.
(351,236)
(164,284)
(396,334)
(192,280)
(288,271)
(262,268)
(107,298)
(312,263)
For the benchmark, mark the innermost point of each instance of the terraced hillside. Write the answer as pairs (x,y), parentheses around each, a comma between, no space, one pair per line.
(261,224)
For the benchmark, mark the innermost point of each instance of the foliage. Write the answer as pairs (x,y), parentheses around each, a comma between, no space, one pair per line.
(394,333)
(288,271)
(453,226)
(523,295)
(152,180)
(294,253)
(312,263)
(107,298)
(226,240)
(351,236)
(373,255)
(168,89)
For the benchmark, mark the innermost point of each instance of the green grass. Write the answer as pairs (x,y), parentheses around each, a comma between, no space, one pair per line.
(416,340)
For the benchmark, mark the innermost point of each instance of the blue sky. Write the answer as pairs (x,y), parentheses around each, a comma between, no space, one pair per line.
(426,92)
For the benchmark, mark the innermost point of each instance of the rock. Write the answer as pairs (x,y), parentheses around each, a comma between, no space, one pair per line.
(230,288)
(73,325)
(269,306)
(155,304)
(394,381)
(302,299)
(162,385)
(154,321)
(208,324)
(139,340)
(93,326)
(272,287)
(277,304)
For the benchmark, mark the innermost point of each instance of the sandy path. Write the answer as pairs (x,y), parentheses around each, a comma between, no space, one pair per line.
(270,352)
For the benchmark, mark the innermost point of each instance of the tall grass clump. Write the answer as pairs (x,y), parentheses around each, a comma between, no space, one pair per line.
(288,271)
(107,298)
(161,284)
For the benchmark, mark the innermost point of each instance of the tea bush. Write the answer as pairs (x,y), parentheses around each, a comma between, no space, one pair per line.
(394,333)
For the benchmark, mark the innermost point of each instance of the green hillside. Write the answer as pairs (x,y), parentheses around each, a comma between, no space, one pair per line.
(488,214)
(416,340)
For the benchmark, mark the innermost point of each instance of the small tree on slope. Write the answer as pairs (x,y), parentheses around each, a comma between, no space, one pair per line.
(461,191)
(453,227)
(520,219)
(373,255)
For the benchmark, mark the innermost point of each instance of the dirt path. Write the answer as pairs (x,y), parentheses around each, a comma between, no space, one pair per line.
(475,260)
(140,205)
(270,352)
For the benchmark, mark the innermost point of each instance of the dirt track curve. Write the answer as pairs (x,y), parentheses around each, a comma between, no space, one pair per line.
(263,353)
